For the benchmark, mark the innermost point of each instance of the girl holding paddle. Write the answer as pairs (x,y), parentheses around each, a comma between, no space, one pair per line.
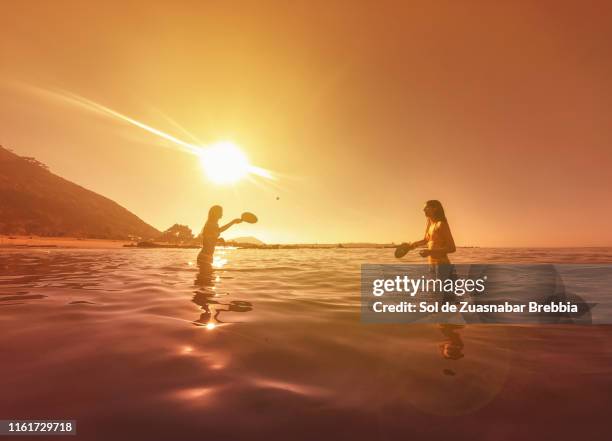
(439,242)
(438,237)
(212,230)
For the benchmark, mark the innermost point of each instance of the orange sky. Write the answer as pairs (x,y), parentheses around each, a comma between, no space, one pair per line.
(364,109)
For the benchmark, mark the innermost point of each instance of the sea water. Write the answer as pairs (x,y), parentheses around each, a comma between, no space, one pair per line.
(138,344)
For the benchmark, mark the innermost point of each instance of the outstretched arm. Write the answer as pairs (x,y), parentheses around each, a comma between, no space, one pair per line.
(226,226)
(418,243)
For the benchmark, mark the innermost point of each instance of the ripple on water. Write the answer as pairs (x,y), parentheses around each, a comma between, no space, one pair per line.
(122,336)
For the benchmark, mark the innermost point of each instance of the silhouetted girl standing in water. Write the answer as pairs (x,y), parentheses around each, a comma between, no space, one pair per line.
(438,237)
(210,234)
(440,243)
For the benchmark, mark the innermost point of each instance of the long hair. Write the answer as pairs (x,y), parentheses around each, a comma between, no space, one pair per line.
(214,213)
(439,214)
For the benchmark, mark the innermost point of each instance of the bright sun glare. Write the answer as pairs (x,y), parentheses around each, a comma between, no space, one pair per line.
(224,163)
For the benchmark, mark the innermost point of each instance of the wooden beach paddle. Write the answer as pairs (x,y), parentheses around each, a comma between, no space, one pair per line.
(403,249)
(249,218)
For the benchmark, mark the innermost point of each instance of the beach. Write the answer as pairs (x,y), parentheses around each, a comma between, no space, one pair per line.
(10,241)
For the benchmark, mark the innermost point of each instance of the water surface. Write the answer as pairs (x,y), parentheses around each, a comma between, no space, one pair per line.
(137,344)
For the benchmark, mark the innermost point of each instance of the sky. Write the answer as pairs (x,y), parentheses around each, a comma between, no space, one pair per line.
(361,110)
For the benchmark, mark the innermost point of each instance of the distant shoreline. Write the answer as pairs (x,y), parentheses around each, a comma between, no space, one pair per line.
(20,241)
(248,245)
(9,241)
(58,242)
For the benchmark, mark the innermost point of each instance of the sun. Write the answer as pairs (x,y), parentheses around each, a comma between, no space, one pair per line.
(224,163)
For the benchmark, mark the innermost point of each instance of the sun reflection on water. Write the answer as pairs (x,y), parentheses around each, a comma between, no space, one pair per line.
(193,393)
(186,350)
(218,261)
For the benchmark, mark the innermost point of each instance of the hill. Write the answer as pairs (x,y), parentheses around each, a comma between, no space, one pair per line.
(34,201)
(247,239)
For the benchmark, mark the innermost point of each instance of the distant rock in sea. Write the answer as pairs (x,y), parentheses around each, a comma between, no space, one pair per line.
(247,239)
(34,201)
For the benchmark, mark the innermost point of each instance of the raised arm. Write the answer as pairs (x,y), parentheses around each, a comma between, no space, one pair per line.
(226,226)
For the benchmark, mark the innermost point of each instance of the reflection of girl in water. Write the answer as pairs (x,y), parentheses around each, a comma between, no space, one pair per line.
(452,347)
(206,296)
(211,232)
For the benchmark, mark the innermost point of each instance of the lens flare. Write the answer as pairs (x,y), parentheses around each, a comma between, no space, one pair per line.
(223,162)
